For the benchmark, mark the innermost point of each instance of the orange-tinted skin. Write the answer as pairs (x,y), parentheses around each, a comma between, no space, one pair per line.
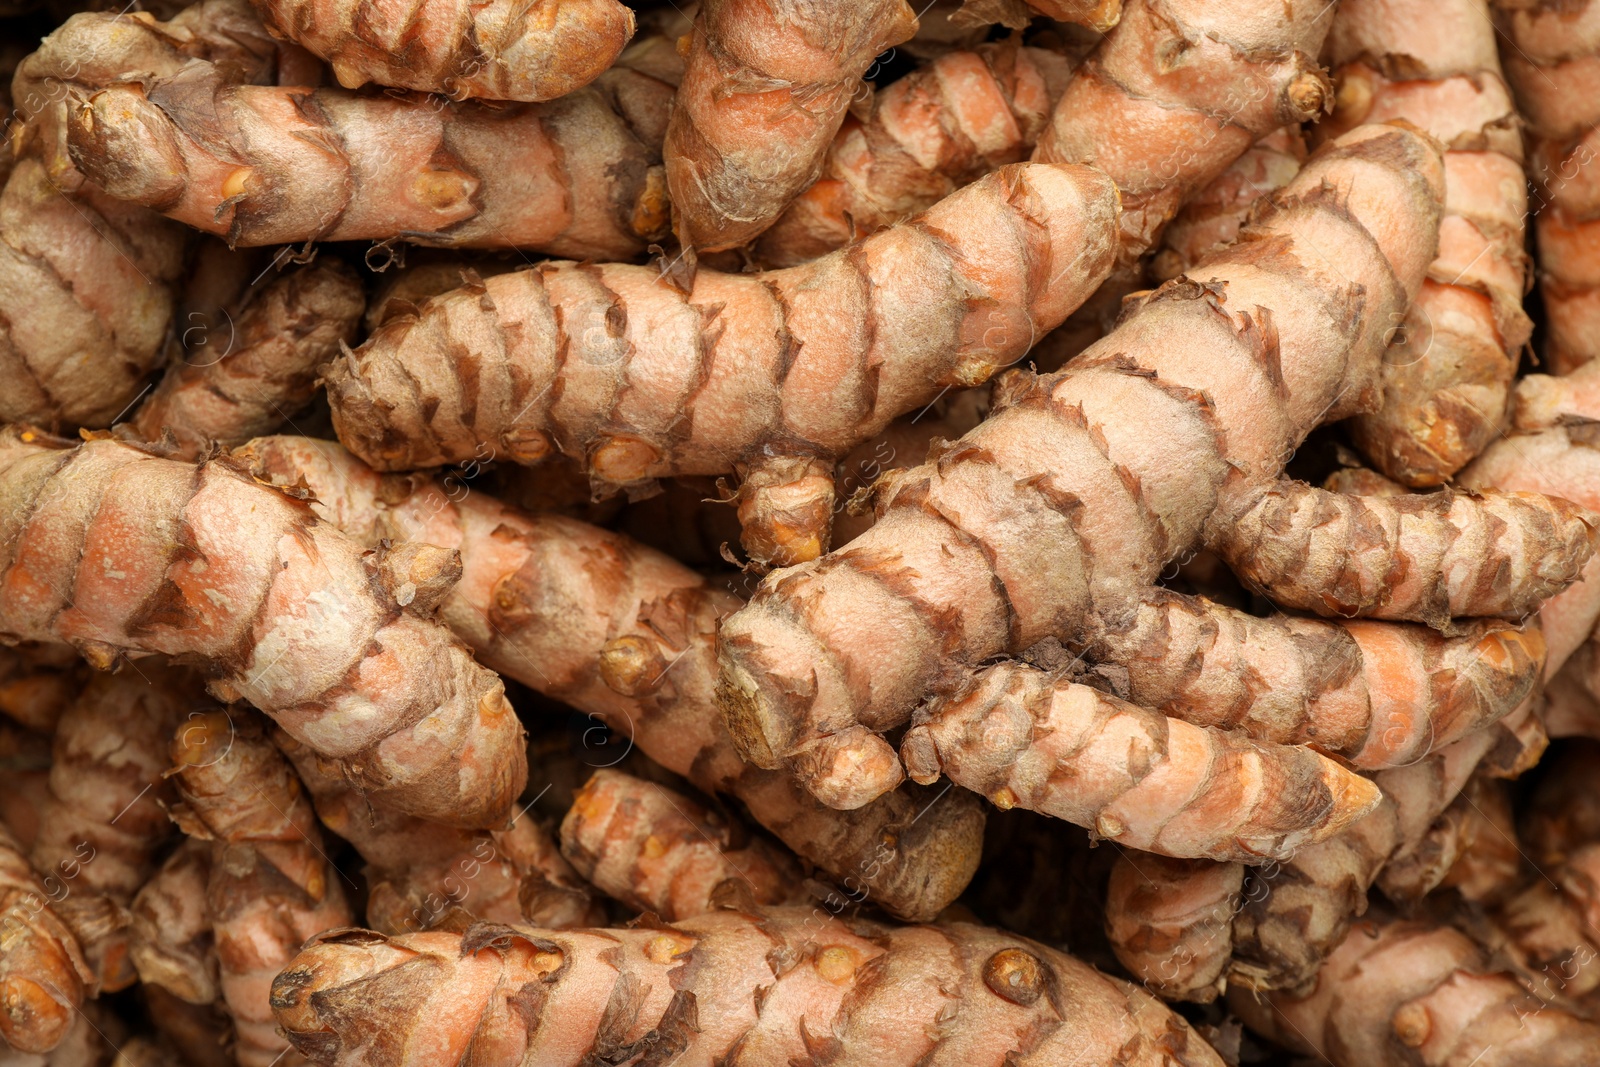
(204,561)
(765,87)
(656,850)
(1447,376)
(43,974)
(626,634)
(829,654)
(762,986)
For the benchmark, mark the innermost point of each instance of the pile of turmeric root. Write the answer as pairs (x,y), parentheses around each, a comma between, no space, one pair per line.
(1014,532)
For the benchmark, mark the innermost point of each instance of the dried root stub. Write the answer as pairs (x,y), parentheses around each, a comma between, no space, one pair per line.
(204,561)
(1178,91)
(424,876)
(1551,54)
(1398,994)
(261,368)
(1377,694)
(627,634)
(832,653)
(764,987)
(949,123)
(1427,558)
(43,975)
(774,375)
(1025,738)
(1446,378)
(765,88)
(501,51)
(656,850)
(271,886)
(265,164)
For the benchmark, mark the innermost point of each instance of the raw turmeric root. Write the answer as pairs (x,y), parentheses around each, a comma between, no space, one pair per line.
(1428,558)
(658,851)
(1214,216)
(1550,55)
(1558,462)
(624,633)
(1471,848)
(43,975)
(1170,922)
(789,984)
(423,876)
(285,612)
(1025,738)
(37,684)
(265,164)
(271,885)
(1178,91)
(1375,694)
(66,360)
(764,90)
(772,375)
(1446,378)
(1550,930)
(938,128)
(502,51)
(258,375)
(174,945)
(830,654)
(105,819)
(1397,994)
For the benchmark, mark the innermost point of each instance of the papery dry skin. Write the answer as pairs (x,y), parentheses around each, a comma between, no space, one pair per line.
(1447,377)
(1170,922)
(271,885)
(37,684)
(1025,738)
(122,553)
(764,89)
(106,817)
(174,946)
(1560,462)
(938,128)
(93,1040)
(258,375)
(264,164)
(1551,930)
(771,375)
(1212,218)
(1430,558)
(1234,372)
(1542,400)
(501,50)
(1296,913)
(627,634)
(1551,53)
(1374,693)
(1178,91)
(1400,994)
(423,876)
(658,851)
(43,975)
(1471,848)
(767,986)
(401,290)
